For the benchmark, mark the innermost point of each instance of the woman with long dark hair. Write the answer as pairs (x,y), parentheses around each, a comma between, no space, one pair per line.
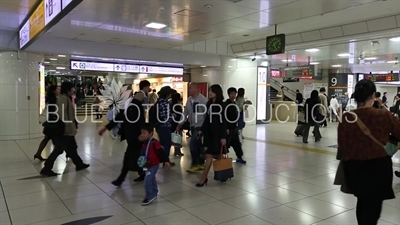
(177,111)
(368,169)
(214,129)
(51,99)
(312,116)
(63,132)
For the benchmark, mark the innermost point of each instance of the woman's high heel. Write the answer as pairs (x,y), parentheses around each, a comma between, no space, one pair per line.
(40,158)
(204,183)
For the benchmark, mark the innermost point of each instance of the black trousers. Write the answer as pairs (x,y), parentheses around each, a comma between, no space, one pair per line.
(129,161)
(307,127)
(61,144)
(368,210)
(234,142)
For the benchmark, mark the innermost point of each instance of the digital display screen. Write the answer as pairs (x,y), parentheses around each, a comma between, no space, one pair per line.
(275,73)
(298,71)
(382,77)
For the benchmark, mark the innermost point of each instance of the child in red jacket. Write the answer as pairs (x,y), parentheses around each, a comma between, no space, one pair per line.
(154,154)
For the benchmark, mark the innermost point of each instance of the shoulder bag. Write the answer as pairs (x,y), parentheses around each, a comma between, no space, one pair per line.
(142,160)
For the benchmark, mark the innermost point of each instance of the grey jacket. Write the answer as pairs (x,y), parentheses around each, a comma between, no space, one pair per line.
(66,113)
(196,118)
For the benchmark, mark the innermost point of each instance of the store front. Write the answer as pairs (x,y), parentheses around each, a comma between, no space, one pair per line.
(175,82)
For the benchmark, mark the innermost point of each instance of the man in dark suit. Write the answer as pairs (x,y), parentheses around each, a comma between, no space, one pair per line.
(132,119)
(299,97)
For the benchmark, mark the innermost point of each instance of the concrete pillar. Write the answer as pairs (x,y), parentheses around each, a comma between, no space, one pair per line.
(19,96)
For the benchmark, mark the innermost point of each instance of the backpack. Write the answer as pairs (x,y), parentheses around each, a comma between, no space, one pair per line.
(153,115)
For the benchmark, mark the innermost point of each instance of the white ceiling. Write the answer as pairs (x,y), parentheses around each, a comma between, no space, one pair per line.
(189,21)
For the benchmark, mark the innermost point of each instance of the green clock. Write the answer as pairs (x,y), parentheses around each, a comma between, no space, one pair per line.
(276,44)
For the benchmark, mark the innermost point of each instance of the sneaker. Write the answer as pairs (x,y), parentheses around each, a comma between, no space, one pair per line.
(240,160)
(193,169)
(201,167)
(148,201)
(48,173)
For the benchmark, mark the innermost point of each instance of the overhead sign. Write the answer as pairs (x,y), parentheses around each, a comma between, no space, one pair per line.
(36,21)
(161,70)
(65,3)
(52,9)
(126,68)
(92,66)
(299,71)
(382,77)
(41,19)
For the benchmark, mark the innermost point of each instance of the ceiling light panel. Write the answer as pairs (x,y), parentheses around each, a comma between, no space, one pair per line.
(53,59)
(370,58)
(314,63)
(62,56)
(395,39)
(154,25)
(336,65)
(312,50)
(344,55)
(60,68)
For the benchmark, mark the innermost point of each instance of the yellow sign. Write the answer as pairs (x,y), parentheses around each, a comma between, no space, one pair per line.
(36,21)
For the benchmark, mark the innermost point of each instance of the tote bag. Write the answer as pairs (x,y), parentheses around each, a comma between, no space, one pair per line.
(223,169)
(176,138)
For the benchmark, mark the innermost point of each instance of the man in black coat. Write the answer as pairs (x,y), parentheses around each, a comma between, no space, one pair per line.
(232,116)
(132,119)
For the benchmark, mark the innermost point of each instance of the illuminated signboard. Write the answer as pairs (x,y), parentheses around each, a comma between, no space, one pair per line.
(39,21)
(92,66)
(42,91)
(52,8)
(161,70)
(36,21)
(261,93)
(125,68)
(65,3)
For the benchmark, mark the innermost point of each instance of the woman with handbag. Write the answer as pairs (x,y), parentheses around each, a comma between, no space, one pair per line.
(177,110)
(214,129)
(312,116)
(51,99)
(368,169)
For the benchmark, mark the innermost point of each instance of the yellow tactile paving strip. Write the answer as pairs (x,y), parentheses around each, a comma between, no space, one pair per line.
(302,148)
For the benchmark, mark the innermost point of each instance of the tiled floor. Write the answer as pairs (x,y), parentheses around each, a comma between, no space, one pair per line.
(285,182)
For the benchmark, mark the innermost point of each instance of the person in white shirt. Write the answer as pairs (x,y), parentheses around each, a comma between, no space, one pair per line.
(334,106)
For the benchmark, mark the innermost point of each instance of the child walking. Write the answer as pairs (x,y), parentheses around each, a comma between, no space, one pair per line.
(152,155)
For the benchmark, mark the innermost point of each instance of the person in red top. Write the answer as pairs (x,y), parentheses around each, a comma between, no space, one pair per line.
(368,169)
(155,155)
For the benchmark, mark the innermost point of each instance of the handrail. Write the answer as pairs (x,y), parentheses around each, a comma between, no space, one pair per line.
(285,88)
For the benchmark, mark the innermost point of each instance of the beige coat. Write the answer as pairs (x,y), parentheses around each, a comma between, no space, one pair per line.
(323,110)
(66,113)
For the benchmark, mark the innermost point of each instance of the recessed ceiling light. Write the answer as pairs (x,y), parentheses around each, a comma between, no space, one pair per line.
(62,56)
(393,61)
(53,59)
(203,66)
(156,25)
(314,63)
(395,39)
(60,68)
(234,59)
(205,75)
(57,72)
(336,65)
(312,50)
(370,58)
(344,54)
(287,60)
(46,62)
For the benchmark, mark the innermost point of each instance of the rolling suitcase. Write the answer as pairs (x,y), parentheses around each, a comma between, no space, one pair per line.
(299,129)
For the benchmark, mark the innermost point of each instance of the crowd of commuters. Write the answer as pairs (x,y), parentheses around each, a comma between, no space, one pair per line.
(368,170)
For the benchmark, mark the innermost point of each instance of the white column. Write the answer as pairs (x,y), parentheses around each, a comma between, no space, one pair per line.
(19,96)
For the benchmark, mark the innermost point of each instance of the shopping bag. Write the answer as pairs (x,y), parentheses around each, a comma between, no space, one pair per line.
(176,138)
(391,148)
(223,169)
